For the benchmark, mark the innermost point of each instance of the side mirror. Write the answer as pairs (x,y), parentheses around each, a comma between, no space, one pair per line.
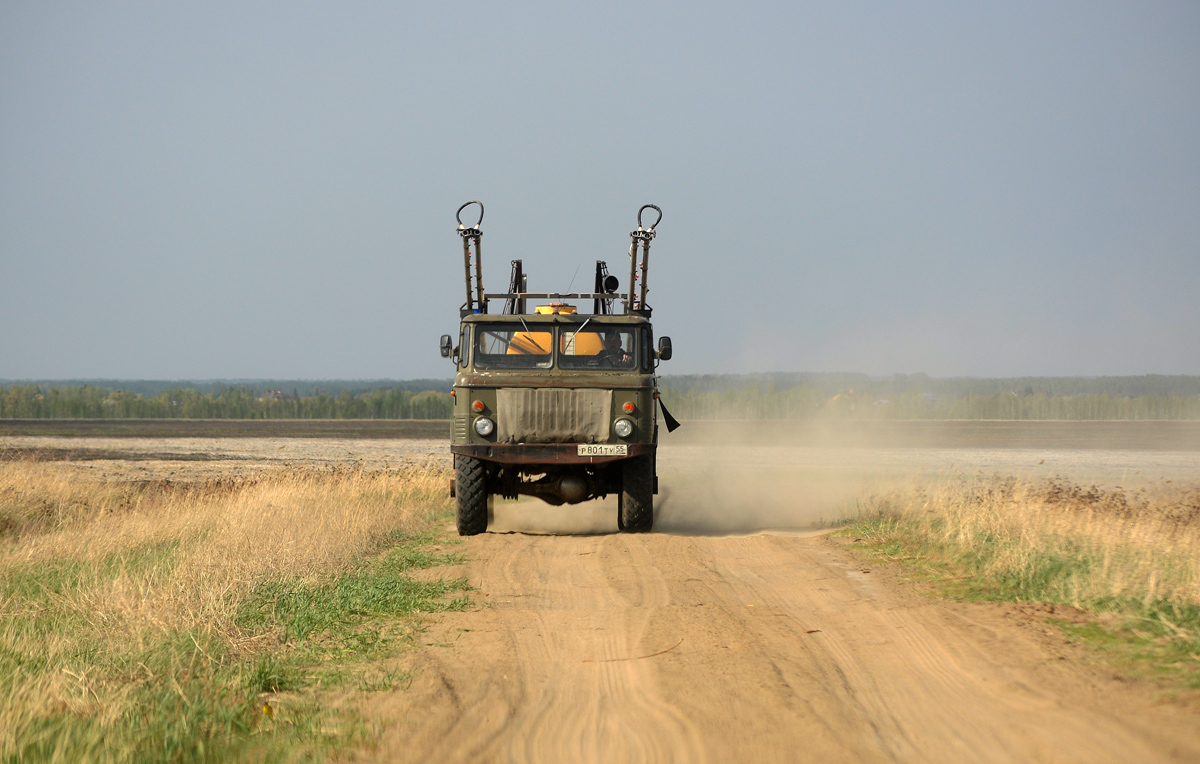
(664,348)
(446,345)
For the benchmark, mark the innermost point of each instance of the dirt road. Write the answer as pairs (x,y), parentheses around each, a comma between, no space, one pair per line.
(756,648)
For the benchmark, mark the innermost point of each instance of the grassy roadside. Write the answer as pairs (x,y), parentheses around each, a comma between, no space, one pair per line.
(1118,570)
(229,621)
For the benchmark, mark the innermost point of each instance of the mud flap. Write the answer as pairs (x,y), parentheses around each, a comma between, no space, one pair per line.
(452,488)
(672,423)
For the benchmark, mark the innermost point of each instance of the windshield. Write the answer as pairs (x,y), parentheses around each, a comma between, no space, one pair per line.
(512,346)
(596,347)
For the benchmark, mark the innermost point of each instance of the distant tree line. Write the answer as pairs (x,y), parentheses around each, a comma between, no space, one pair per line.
(707,397)
(302,387)
(87,402)
(810,401)
(830,383)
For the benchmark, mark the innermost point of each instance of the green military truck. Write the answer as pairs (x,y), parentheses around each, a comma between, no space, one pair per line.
(552,402)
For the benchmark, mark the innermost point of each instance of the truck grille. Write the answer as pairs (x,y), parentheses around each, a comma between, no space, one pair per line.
(552,415)
(460,429)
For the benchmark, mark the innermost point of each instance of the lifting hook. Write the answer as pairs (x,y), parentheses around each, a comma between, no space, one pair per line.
(458,215)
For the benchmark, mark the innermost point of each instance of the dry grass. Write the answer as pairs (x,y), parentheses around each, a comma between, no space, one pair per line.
(114,594)
(1129,558)
(295,523)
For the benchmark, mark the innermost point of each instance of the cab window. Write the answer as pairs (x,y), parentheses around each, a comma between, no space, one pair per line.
(513,346)
(597,347)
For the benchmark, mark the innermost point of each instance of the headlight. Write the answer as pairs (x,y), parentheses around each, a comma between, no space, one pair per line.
(623,427)
(484,426)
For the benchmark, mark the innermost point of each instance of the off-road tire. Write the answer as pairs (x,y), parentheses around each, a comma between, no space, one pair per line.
(635,513)
(470,491)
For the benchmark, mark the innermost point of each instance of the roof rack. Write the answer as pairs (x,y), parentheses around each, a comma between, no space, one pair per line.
(634,300)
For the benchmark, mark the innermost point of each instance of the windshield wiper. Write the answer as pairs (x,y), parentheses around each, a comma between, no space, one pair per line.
(575,334)
(529,336)
(506,343)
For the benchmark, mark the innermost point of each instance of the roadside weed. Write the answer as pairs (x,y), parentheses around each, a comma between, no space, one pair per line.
(195,623)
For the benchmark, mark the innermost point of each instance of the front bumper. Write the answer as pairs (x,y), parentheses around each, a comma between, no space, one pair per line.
(543,453)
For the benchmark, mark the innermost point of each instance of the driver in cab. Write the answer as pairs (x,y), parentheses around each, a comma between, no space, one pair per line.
(614,355)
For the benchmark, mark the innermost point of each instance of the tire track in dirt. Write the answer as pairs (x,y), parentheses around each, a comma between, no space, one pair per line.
(789,652)
(595,608)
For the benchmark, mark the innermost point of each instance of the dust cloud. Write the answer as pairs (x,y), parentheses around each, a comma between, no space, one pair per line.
(722,501)
(743,478)
(720,481)
(737,478)
(709,491)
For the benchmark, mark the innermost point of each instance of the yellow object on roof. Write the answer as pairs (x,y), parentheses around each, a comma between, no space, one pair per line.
(537,343)
(570,343)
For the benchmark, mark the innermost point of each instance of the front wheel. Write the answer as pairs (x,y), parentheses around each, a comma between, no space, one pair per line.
(470,490)
(635,507)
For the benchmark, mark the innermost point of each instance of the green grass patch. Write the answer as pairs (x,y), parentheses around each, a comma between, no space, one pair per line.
(197,696)
(189,700)
(300,610)
(49,581)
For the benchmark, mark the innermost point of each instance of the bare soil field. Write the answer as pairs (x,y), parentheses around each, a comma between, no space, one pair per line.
(955,433)
(202,458)
(228,428)
(736,631)
(1115,435)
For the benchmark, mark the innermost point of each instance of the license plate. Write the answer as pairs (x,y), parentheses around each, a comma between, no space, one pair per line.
(603,449)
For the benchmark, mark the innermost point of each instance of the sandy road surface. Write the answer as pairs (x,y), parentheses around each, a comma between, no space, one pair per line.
(753,648)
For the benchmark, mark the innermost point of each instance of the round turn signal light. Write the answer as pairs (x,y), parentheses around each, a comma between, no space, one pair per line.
(628,408)
(477,405)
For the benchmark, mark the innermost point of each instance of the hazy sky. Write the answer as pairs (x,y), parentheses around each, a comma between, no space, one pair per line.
(204,190)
